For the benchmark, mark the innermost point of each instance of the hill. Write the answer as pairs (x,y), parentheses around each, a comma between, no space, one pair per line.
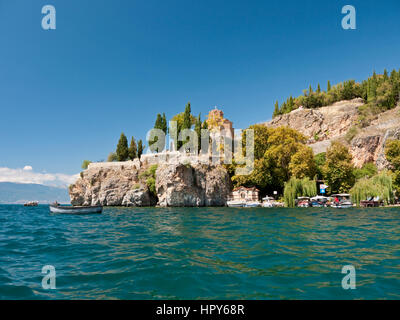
(341,121)
(21,193)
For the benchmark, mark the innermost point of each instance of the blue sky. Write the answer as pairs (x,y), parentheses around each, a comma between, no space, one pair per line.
(111,66)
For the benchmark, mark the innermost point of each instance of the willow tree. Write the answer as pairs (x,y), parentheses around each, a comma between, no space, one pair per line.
(380,185)
(295,188)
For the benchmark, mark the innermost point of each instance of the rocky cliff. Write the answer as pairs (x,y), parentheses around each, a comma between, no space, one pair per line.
(176,185)
(334,122)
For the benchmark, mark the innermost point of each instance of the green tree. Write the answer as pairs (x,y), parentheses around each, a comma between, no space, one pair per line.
(85,164)
(112,157)
(328,87)
(261,135)
(132,152)
(140,148)
(276,110)
(122,148)
(392,153)
(380,185)
(320,160)
(338,168)
(368,170)
(284,143)
(187,117)
(164,124)
(302,163)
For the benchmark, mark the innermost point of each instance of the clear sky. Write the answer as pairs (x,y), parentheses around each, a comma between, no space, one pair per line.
(110,66)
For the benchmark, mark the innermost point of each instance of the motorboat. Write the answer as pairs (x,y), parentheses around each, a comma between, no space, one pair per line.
(236,204)
(318,201)
(303,202)
(56,208)
(252,204)
(268,202)
(341,201)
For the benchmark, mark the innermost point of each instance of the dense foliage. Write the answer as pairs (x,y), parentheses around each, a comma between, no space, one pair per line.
(380,92)
(279,153)
(338,168)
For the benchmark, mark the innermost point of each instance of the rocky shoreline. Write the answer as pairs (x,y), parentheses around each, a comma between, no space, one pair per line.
(131,184)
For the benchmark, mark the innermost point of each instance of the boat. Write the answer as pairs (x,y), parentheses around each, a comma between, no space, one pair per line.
(31,204)
(235,204)
(342,201)
(56,208)
(303,202)
(319,201)
(268,202)
(371,202)
(252,204)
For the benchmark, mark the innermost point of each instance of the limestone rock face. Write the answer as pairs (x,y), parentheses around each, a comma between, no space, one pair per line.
(177,185)
(108,186)
(192,185)
(321,124)
(137,198)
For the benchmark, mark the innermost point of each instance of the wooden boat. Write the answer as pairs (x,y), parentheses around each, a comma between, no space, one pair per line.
(56,208)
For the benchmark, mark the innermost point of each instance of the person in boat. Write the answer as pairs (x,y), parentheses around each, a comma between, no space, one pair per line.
(336,200)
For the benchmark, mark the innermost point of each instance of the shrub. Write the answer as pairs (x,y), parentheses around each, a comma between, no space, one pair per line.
(85,164)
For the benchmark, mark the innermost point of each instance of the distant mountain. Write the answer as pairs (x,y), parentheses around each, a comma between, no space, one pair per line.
(21,193)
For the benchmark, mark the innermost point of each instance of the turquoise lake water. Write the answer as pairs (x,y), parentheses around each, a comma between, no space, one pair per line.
(200,253)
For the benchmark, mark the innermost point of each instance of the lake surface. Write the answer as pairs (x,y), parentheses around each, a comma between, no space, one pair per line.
(200,253)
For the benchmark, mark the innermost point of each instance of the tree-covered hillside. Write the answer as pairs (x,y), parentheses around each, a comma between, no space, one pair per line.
(380,93)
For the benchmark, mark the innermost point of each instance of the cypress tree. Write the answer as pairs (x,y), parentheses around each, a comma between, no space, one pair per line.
(319,89)
(385,75)
(310,90)
(187,123)
(122,148)
(159,122)
(140,148)
(329,86)
(164,126)
(132,149)
(276,110)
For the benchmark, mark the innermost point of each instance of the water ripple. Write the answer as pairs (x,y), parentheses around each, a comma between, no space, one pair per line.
(200,253)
